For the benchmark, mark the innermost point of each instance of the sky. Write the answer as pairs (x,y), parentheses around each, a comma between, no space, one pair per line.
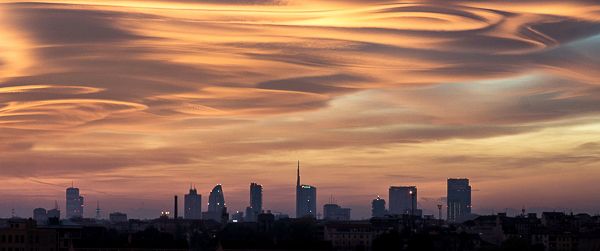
(133,101)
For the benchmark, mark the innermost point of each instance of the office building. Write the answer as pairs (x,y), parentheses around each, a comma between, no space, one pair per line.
(192,205)
(403,200)
(74,203)
(216,205)
(459,199)
(378,207)
(255,202)
(333,212)
(40,216)
(306,198)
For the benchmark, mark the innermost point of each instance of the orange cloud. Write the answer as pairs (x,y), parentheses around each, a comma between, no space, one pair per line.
(123,96)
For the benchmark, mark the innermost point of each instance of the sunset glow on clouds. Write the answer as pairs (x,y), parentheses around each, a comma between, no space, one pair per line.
(135,100)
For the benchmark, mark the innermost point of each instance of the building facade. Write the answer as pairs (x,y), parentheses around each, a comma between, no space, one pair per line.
(334,212)
(256,201)
(192,205)
(403,200)
(306,198)
(459,199)
(378,207)
(74,203)
(40,215)
(216,204)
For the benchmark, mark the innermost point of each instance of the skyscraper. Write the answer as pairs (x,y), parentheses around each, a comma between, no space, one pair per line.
(74,203)
(403,200)
(193,205)
(459,199)
(378,207)
(306,198)
(255,202)
(216,204)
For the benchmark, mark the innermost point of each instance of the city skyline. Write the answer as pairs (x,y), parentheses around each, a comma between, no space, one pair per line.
(404,200)
(135,100)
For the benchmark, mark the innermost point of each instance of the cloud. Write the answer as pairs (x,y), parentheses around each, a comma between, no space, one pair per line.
(59,26)
(130,95)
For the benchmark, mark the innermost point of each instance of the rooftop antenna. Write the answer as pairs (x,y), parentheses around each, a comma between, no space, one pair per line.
(298,175)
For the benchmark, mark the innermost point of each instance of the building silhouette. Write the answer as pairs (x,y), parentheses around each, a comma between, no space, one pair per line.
(255,207)
(459,199)
(192,205)
(378,207)
(98,211)
(306,198)
(74,203)
(175,207)
(40,215)
(216,204)
(117,217)
(237,217)
(334,212)
(403,200)
(54,214)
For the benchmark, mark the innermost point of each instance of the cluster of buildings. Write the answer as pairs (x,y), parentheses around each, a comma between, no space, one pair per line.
(551,231)
(397,224)
(403,200)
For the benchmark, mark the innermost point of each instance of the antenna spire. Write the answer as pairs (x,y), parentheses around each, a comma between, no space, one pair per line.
(298,175)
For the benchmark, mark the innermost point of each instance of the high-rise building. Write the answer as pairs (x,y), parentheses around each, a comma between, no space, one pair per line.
(74,203)
(378,207)
(459,199)
(216,204)
(306,198)
(334,212)
(193,205)
(40,216)
(255,202)
(403,200)
(256,197)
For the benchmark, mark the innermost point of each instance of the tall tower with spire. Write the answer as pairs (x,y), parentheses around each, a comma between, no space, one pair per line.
(306,198)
